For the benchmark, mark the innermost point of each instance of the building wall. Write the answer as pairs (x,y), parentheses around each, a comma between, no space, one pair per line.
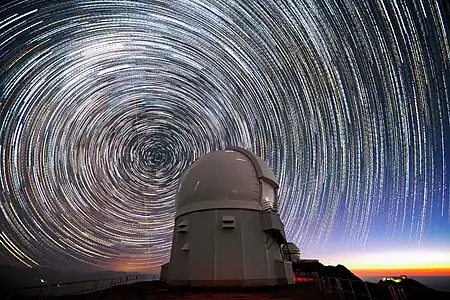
(229,254)
(256,262)
(238,254)
(179,260)
(201,242)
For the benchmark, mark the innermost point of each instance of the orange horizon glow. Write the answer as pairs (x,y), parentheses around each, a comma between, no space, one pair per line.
(409,262)
(413,272)
(133,268)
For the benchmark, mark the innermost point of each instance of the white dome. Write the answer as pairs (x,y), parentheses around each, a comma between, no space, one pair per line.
(232,178)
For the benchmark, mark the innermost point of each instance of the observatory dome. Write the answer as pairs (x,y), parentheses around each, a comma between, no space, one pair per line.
(232,178)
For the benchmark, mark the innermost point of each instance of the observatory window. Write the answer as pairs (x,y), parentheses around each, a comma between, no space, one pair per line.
(268,199)
(228,222)
(182,226)
(185,247)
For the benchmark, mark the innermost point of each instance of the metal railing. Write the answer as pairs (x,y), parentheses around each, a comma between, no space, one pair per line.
(346,289)
(355,289)
(41,292)
(361,290)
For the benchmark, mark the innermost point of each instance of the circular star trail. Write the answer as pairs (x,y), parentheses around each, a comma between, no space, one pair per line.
(105,103)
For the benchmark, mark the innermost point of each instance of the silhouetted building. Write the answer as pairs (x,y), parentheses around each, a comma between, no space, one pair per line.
(227,228)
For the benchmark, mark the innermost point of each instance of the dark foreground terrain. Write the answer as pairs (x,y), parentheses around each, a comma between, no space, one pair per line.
(338,282)
(160,291)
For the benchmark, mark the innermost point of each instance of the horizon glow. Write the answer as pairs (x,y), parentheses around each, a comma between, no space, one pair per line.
(395,260)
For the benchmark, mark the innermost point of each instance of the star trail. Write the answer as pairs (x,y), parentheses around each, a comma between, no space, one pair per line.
(103,104)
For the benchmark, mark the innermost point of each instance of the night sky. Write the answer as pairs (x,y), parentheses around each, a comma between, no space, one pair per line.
(103,105)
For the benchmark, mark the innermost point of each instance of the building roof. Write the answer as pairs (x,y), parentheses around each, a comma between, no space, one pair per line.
(224,179)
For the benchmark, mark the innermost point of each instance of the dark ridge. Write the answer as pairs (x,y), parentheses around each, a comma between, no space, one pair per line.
(338,271)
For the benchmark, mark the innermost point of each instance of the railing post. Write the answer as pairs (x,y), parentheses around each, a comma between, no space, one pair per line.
(339,287)
(317,280)
(368,291)
(42,294)
(351,288)
(101,286)
(47,291)
(331,288)
(402,293)
(393,292)
(321,284)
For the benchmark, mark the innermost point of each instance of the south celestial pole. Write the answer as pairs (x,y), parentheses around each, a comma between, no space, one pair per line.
(103,105)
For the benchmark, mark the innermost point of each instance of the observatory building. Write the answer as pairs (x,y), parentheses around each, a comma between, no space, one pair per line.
(227,228)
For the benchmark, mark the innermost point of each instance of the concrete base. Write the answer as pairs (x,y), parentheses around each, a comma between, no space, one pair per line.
(164,272)
(284,269)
